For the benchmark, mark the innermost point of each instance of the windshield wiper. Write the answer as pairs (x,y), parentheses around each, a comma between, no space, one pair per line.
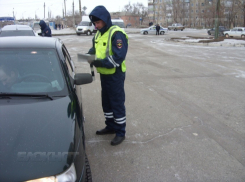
(3,95)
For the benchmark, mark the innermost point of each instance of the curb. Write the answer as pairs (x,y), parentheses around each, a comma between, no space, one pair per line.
(84,34)
(213,44)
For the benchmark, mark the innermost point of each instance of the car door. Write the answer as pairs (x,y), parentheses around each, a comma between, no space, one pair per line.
(239,32)
(71,70)
(232,32)
(152,30)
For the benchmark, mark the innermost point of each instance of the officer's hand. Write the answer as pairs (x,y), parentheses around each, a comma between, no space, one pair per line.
(97,63)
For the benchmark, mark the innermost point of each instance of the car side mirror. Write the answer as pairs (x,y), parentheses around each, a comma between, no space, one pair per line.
(82,78)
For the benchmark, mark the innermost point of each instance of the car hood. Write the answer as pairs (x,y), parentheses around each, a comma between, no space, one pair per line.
(35,138)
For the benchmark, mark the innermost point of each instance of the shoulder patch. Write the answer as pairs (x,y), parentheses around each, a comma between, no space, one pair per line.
(119,43)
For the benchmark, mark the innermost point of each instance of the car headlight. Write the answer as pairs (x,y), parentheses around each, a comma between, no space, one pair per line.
(69,175)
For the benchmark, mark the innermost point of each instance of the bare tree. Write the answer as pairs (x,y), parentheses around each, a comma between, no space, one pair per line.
(136,9)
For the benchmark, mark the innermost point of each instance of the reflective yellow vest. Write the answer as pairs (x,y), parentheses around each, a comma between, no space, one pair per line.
(103,49)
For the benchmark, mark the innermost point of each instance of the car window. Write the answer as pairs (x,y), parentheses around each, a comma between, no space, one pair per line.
(17,33)
(84,23)
(120,24)
(69,63)
(35,71)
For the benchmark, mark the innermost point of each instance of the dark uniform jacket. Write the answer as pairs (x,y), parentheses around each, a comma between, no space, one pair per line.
(46,32)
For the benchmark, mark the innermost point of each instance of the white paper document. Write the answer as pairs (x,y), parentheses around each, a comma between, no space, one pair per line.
(85,58)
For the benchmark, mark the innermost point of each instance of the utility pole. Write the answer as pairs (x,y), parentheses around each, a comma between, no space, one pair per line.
(80,9)
(65,7)
(44,9)
(217,20)
(73,14)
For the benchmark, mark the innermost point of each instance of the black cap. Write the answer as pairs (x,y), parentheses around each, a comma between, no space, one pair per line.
(94,18)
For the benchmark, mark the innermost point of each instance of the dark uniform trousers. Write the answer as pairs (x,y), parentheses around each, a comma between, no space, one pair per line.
(113,99)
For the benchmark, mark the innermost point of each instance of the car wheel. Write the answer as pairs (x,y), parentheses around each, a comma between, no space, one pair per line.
(78,33)
(226,35)
(88,174)
(209,33)
(89,33)
(169,28)
(162,32)
(145,33)
(181,29)
(243,36)
(175,29)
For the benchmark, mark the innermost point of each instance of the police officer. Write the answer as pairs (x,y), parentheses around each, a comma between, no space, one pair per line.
(110,45)
(45,30)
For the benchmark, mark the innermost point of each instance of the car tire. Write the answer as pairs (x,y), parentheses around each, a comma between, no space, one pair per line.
(145,32)
(209,33)
(78,33)
(89,33)
(227,35)
(88,174)
(243,36)
(175,29)
(181,29)
(162,33)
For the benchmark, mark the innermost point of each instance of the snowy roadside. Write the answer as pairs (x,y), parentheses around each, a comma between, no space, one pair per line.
(184,40)
(224,43)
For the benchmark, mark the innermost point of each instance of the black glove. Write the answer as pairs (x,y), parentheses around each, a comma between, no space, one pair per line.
(97,63)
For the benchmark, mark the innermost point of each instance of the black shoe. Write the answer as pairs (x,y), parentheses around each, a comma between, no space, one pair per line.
(117,140)
(104,131)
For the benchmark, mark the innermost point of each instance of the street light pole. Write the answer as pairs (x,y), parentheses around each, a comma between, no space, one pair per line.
(73,15)
(44,10)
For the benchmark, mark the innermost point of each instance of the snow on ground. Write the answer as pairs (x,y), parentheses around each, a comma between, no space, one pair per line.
(231,42)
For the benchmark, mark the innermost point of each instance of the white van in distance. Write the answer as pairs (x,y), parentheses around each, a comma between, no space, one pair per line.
(85,27)
(118,22)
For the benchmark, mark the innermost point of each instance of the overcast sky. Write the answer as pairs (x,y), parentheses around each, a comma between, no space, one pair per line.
(28,8)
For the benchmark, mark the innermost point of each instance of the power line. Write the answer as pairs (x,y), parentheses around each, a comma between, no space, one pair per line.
(31,2)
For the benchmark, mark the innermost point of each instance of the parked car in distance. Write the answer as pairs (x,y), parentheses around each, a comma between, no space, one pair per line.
(152,30)
(235,32)
(176,26)
(42,133)
(221,31)
(17,30)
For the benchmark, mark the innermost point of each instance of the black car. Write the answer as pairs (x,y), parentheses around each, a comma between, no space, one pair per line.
(220,33)
(41,118)
(17,30)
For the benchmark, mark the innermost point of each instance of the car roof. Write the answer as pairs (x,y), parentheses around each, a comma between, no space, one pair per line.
(16,27)
(28,42)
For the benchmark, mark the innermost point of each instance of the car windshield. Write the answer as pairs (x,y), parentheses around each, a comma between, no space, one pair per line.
(36,26)
(84,23)
(31,71)
(120,24)
(17,33)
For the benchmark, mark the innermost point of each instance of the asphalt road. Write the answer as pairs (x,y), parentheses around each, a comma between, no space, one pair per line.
(185,113)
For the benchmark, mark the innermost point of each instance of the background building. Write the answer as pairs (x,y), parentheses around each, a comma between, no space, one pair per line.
(197,13)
